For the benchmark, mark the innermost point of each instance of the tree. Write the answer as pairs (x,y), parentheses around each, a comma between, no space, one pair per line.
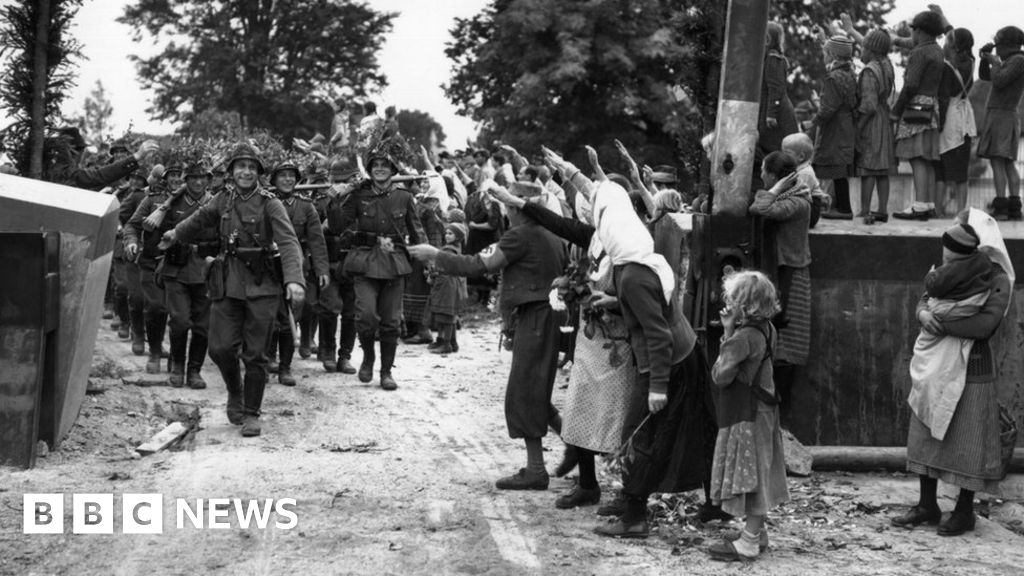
(802,47)
(566,74)
(95,118)
(273,62)
(36,76)
(417,126)
(643,71)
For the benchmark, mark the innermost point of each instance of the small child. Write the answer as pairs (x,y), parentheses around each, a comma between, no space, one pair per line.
(801,147)
(748,476)
(957,289)
(447,293)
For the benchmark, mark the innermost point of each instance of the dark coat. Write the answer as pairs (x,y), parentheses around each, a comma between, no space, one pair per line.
(834,142)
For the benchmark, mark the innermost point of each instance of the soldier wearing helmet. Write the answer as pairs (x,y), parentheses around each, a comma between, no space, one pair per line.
(243,281)
(340,297)
(380,218)
(306,223)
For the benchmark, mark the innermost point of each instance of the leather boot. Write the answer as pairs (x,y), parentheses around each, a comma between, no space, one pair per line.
(255,382)
(284,375)
(153,363)
(369,357)
(1000,208)
(305,329)
(330,361)
(328,329)
(156,324)
(194,379)
(287,348)
(232,376)
(1013,208)
(387,360)
(138,326)
(345,365)
(251,426)
(196,352)
(177,379)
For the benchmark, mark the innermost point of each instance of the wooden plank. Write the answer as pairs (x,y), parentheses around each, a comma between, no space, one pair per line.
(163,438)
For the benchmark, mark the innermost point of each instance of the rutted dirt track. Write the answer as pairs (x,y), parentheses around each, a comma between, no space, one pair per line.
(402,483)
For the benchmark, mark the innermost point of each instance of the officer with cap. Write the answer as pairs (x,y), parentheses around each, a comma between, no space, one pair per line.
(340,296)
(243,281)
(183,275)
(142,242)
(306,223)
(383,222)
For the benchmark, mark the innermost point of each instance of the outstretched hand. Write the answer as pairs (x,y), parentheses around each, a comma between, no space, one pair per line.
(595,163)
(505,197)
(423,252)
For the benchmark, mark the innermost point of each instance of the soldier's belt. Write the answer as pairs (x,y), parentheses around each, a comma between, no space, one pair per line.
(369,239)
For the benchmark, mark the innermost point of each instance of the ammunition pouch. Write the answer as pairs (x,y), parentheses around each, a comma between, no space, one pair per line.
(259,261)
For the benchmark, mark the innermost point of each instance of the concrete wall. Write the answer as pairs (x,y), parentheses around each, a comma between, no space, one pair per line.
(865,289)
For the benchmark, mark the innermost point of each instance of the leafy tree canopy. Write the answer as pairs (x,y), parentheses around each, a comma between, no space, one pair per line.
(567,74)
(416,126)
(270,61)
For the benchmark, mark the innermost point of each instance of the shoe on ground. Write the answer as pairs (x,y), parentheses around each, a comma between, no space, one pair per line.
(387,382)
(177,379)
(273,367)
(622,529)
(435,344)
(108,314)
(305,352)
(578,497)
(525,479)
(195,380)
(123,333)
(957,524)
(617,507)
(762,538)
(251,426)
(366,372)
(164,354)
(236,411)
(330,361)
(138,347)
(725,551)
(417,339)
(837,215)
(444,348)
(709,513)
(284,376)
(918,515)
(570,459)
(153,364)
(345,367)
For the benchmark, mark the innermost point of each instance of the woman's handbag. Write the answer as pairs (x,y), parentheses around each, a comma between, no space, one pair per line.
(918,112)
(1007,437)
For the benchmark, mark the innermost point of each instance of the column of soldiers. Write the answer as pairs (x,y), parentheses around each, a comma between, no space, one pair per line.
(226,264)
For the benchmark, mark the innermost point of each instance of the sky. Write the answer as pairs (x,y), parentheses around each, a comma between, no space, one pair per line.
(412,58)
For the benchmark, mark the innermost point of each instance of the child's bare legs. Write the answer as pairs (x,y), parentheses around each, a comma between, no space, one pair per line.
(1000,176)
(867,187)
(883,194)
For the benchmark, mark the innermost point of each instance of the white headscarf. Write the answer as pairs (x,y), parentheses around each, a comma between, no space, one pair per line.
(623,237)
(437,189)
(991,243)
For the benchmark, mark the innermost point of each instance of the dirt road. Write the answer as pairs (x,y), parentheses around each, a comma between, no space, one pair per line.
(402,483)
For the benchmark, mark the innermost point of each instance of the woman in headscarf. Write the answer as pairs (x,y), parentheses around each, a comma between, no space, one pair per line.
(968,455)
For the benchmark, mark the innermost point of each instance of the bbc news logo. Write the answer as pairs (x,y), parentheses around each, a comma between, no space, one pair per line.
(144,513)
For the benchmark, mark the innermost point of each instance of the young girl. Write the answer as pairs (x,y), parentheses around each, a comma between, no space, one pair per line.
(447,293)
(748,476)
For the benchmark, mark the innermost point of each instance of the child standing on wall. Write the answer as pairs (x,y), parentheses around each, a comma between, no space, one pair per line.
(748,476)
(447,293)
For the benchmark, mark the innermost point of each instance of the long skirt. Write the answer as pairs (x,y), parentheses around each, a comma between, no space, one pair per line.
(969,454)
(749,473)
(417,292)
(672,450)
(531,379)
(601,386)
(795,339)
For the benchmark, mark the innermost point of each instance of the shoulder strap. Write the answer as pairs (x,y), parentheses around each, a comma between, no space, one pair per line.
(959,78)
(762,394)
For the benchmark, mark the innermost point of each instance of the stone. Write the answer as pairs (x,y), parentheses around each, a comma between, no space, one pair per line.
(798,458)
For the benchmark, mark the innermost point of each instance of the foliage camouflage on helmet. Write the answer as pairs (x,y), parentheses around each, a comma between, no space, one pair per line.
(389,146)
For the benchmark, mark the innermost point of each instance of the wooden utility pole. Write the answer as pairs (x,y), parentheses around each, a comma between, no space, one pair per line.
(37,131)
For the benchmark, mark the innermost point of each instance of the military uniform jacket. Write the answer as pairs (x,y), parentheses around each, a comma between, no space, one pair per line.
(193,271)
(384,223)
(146,240)
(254,220)
(66,172)
(129,199)
(309,232)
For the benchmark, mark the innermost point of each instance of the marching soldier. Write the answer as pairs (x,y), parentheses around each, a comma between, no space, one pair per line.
(182,273)
(137,234)
(244,284)
(383,222)
(340,296)
(133,274)
(306,223)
